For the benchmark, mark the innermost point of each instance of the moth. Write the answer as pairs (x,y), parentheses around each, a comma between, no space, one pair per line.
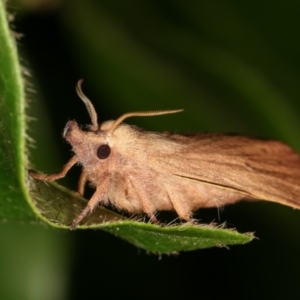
(141,171)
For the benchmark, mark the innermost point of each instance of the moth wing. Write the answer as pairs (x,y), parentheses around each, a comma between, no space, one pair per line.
(258,169)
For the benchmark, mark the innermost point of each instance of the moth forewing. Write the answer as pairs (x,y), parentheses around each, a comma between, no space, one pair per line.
(144,172)
(254,168)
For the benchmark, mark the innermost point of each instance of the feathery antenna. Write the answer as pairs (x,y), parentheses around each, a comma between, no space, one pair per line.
(142,114)
(89,106)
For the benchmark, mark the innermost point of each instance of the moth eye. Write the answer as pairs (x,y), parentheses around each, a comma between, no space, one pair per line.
(103,151)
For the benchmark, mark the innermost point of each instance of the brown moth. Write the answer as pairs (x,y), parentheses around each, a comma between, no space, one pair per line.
(143,172)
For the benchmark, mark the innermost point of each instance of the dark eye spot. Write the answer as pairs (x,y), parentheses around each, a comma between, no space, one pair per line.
(103,151)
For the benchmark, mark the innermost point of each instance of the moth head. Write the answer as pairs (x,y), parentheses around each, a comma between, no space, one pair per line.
(89,146)
(99,137)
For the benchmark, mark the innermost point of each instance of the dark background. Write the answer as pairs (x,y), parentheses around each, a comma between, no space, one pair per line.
(233,67)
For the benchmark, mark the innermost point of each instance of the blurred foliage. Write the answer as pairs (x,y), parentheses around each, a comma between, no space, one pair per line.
(233,66)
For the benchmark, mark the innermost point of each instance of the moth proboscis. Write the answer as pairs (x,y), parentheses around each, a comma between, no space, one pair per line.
(143,172)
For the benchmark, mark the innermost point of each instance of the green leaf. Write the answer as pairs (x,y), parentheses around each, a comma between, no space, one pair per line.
(24,198)
(12,129)
(59,206)
(184,237)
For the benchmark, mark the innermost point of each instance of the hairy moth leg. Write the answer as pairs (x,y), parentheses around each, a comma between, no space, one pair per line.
(59,175)
(81,183)
(148,207)
(99,195)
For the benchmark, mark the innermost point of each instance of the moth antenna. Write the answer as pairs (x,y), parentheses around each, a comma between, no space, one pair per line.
(142,114)
(89,106)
